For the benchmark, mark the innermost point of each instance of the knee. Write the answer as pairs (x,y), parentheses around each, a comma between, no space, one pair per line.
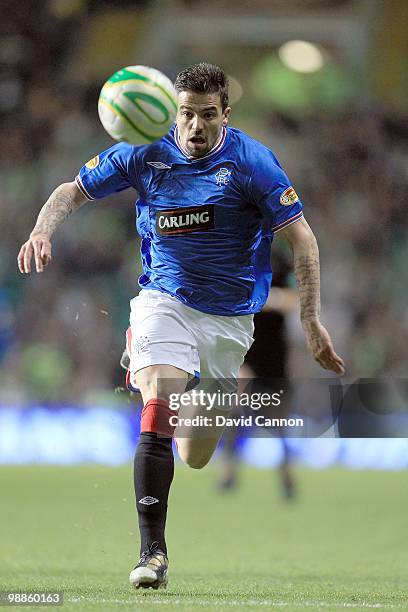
(197,463)
(160,381)
(194,460)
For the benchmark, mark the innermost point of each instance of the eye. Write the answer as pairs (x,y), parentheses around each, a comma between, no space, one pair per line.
(187,114)
(209,115)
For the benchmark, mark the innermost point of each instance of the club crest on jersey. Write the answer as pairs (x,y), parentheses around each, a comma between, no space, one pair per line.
(92,163)
(288,197)
(223,176)
(184,220)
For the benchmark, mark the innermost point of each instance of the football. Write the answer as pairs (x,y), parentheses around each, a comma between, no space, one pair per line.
(137,104)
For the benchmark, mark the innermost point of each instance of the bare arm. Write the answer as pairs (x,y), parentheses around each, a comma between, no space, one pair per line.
(307,269)
(63,201)
(307,272)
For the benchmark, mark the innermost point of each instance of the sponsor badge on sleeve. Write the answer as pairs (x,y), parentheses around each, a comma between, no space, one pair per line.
(92,162)
(288,197)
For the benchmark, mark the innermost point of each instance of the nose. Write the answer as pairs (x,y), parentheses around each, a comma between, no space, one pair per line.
(197,124)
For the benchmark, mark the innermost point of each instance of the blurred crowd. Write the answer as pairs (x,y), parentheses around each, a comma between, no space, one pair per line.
(351,171)
(62,332)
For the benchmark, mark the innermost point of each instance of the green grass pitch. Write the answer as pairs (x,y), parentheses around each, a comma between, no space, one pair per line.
(341,544)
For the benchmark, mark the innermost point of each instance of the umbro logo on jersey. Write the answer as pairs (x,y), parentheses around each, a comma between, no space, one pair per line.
(148,500)
(183,220)
(159,165)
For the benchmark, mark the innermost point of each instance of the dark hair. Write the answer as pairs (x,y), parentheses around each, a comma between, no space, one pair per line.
(204,78)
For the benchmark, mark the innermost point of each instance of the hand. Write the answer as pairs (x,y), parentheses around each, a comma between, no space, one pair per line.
(38,245)
(320,345)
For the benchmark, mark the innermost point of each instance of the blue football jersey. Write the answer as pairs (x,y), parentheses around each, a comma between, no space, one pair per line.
(206,224)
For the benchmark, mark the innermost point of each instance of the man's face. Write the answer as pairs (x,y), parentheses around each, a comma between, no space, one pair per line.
(199,120)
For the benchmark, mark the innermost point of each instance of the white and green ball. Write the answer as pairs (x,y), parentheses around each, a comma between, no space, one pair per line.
(137,104)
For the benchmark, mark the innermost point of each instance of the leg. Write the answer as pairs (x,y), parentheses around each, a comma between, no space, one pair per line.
(154,470)
(154,462)
(229,465)
(286,474)
(160,334)
(196,449)
(159,381)
(230,459)
(196,444)
(222,345)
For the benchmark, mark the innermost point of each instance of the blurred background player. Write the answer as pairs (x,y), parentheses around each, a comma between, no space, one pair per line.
(267,359)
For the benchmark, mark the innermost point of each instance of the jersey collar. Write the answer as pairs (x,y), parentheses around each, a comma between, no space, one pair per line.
(216,148)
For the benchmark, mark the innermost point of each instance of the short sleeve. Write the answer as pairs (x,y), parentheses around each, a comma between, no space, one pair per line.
(111,171)
(273,193)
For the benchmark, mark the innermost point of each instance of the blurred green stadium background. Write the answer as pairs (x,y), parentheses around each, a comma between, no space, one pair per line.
(340,131)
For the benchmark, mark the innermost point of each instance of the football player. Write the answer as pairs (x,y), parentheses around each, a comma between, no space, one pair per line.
(210,200)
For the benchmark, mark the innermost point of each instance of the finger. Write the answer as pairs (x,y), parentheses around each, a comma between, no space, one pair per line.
(330,361)
(339,362)
(20,259)
(46,253)
(341,367)
(27,258)
(322,363)
(37,256)
(336,364)
(336,367)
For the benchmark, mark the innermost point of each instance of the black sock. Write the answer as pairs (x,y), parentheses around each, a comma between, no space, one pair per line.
(153,475)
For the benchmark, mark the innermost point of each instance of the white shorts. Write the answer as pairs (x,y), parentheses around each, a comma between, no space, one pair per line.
(165,331)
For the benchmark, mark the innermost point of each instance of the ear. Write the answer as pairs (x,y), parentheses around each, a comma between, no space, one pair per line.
(226,114)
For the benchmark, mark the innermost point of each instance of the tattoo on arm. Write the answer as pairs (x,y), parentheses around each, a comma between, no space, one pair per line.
(307,271)
(57,208)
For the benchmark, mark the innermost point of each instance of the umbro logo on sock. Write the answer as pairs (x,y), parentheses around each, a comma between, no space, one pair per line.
(148,500)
